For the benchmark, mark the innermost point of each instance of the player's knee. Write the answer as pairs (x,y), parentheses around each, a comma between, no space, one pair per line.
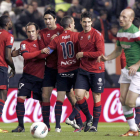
(129,104)
(122,100)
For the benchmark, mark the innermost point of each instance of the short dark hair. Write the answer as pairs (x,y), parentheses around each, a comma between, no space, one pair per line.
(32,23)
(136,21)
(86,15)
(50,12)
(66,21)
(3,21)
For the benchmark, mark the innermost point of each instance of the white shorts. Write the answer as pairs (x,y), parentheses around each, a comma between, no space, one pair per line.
(133,80)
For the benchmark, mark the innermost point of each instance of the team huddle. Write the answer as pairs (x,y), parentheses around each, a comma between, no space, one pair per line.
(59,57)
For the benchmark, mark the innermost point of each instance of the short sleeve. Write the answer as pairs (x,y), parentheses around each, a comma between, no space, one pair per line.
(23,47)
(10,41)
(53,44)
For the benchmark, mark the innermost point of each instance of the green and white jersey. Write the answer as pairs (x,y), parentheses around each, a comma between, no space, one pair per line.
(129,40)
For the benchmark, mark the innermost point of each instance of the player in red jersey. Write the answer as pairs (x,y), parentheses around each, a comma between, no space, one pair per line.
(6,43)
(33,72)
(66,45)
(45,37)
(136,22)
(90,74)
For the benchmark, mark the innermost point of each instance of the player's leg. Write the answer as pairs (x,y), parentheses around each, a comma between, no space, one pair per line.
(126,88)
(137,117)
(3,93)
(72,99)
(48,86)
(24,91)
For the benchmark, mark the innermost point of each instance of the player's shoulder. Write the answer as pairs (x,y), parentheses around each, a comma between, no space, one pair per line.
(43,31)
(59,27)
(25,41)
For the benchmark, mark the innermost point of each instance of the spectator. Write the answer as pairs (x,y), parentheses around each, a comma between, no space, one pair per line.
(102,25)
(7,6)
(88,4)
(113,32)
(25,17)
(60,14)
(137,8)
(75,11)
(38,17)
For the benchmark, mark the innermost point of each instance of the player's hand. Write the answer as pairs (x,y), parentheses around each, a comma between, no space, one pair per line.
(133,69)
(55,35)
(45,50)
(12,72)
(15,52)
(101,58)
(79,55)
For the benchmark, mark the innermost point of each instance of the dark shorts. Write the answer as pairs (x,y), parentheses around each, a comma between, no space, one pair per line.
(25,88)
(86,80)
(66,81)
(50,77)
(3,80)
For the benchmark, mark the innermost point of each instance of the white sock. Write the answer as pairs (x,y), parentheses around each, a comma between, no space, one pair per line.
(131,122)
(138,102)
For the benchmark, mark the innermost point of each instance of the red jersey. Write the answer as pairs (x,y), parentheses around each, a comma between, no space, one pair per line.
(92,44)
(67,48)
(46,34)
(33,67)
(6,40)
(123,59)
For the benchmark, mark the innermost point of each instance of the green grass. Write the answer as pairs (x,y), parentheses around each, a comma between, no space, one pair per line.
(106,131)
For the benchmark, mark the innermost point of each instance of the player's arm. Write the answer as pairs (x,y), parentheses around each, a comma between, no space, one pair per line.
(9,60)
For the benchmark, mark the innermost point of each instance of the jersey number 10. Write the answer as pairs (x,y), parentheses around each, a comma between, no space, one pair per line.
(66,49)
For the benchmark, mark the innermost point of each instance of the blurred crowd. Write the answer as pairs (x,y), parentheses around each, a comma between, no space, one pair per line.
(105,14)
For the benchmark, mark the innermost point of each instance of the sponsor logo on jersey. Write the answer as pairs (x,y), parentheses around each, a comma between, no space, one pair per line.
(70,62)
(23,46)
(125,46)
(66,37)
(0,32)
(48,35)
(12,40)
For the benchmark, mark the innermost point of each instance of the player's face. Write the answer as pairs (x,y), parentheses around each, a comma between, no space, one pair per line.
(10,24)
(49,21)
(125,19)
(31,32)
(86,24)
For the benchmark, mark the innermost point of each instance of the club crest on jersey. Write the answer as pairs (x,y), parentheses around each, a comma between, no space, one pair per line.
(58,33)
(129,36)
(89,37)
(81,38)
(34,45)
(48,35)
(23,46)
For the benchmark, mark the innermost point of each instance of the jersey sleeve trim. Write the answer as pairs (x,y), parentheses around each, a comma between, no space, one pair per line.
(23,52)
(9,46)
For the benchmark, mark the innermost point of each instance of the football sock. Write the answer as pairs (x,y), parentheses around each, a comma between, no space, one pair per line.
(128,113)
(20,110)
(46,113)
(75,111)
(79,120)
(137,118)
(1,106)
(84,107)
(58,111)
(96,113)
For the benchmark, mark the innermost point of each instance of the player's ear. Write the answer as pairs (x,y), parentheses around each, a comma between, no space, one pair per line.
(37,31)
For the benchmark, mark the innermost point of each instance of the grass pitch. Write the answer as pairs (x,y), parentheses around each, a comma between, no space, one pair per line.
(106,131)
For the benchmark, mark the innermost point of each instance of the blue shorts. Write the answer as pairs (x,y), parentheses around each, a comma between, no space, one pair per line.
(66,81)
(25,88)
(50,77)
(86,80)
(3,78)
